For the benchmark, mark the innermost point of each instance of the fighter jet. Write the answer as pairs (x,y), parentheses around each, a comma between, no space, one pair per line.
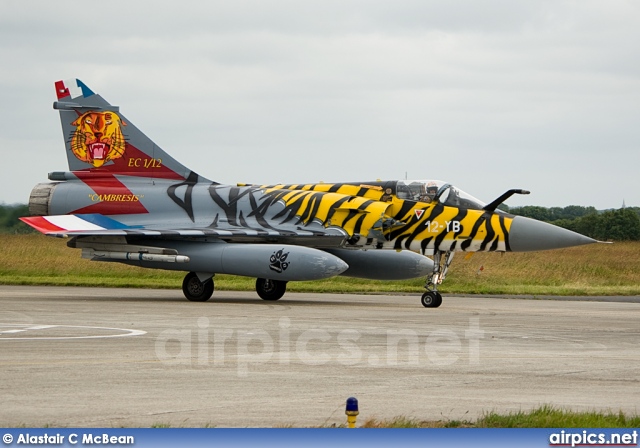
(124,199)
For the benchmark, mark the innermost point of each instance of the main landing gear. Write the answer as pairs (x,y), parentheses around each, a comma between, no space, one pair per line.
(270,289)
(195,290)
(441,261)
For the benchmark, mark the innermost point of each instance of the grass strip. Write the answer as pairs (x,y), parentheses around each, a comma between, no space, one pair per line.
(587,270)
(546,416)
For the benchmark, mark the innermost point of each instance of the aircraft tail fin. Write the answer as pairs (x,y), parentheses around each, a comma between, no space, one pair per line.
(100,140)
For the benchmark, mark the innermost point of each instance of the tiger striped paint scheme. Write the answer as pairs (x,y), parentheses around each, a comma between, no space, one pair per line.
(354,214)
(477,231)
(358,209)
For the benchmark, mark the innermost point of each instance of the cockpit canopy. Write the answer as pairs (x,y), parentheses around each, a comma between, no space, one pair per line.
(436,190)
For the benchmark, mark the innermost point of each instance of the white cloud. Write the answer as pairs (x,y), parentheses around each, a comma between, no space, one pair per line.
(541,95)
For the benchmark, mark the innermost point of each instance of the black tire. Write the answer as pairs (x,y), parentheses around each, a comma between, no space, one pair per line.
(196,291)
(270,289)
(431,299)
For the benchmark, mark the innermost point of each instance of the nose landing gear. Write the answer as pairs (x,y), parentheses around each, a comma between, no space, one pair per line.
(441,261)
(431,299)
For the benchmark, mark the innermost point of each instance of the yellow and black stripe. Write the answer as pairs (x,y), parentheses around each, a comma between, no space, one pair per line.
(395,223)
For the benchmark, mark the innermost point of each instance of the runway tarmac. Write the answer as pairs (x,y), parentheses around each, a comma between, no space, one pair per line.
(97,357)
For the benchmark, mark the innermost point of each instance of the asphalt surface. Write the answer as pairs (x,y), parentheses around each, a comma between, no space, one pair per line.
(96,357)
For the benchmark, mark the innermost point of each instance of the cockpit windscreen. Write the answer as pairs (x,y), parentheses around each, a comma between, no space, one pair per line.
(436,190)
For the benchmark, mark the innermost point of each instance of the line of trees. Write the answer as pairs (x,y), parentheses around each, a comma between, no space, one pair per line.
(9,222)
(618,225)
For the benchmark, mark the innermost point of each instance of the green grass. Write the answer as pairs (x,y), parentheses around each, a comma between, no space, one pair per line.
(551,417)
(596,269)
(545,416)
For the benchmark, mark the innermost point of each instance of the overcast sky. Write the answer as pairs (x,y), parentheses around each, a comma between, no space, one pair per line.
(491,95)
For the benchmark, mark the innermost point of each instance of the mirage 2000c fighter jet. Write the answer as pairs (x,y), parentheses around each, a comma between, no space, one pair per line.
(126,200)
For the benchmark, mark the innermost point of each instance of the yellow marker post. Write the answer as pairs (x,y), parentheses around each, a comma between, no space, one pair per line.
(352,411)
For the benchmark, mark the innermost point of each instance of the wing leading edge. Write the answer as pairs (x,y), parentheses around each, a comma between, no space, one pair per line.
(63,226)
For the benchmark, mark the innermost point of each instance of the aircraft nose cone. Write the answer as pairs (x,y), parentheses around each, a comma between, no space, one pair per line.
(528,235)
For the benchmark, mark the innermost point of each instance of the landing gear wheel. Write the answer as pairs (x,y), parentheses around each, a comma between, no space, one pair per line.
(196,291)
(270,289)
(431,299)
